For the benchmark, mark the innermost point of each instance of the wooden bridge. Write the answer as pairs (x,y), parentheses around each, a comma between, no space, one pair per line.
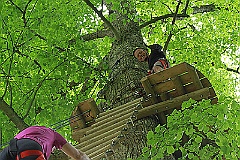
(100,134)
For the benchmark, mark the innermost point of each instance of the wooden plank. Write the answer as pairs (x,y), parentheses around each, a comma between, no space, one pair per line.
(84,114)
(101,115)
(148,89)
(163,87)
(101,150)
(200,75)
(168,73)
(76,135)
(110,123)
(162,117)
(104,121)
(190,88)
(119,112)
(205,82)
(170,104)
(214,100)
(87,141)
(196,81)
(103,130)
(146,103)
(98,157)
(77,120)
(178,85)
(96,145)
(89,110)
(172,93)
(179,89)
(96,148)
(94,109)
(170,85)
(212,93)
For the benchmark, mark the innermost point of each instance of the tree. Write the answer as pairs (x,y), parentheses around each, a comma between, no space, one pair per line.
(56,54)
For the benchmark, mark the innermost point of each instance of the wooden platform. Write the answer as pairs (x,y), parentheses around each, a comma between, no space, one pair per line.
(174,82)
(165,91)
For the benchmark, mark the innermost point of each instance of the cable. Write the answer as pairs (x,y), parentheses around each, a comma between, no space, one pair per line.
(60,124)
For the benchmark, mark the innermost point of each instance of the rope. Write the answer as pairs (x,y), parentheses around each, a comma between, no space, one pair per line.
(60,124)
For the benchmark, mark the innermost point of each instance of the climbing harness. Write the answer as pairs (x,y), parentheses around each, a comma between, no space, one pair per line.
(163,63)
(27,153)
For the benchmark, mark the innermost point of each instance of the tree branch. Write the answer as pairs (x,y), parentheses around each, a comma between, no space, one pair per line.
(16,6)
(166,16)
(12,115)
(103,33)
(184,11)
(117,35)
(98,34)
(39,86)
(204,8)
(173,23)
(24,13)
(7,75)
(234,70)
(201,9)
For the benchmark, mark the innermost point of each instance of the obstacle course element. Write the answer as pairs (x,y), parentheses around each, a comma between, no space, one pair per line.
(84,114)
(165,91)
(175,82)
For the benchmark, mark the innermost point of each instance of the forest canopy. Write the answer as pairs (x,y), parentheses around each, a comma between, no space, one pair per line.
(55,54)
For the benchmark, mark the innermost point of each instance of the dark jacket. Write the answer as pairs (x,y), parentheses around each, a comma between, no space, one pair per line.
(156,54)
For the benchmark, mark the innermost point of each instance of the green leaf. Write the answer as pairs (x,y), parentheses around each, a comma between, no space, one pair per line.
(170,149)
(198,139)
(187,104)
(145,149)
(159,155)
(150,135)
(190,155)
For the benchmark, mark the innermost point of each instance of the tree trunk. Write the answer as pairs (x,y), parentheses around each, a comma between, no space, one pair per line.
(124,86)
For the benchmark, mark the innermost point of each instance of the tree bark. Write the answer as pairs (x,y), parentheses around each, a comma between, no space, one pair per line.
(12,115)
(124,86)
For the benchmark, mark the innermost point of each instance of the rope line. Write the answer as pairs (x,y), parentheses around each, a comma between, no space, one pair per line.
(61,124)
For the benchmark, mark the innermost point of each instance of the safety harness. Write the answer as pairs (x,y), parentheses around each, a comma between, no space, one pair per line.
(27,153)
(164,65)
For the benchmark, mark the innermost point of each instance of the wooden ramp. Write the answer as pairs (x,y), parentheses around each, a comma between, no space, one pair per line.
(97,139)
(165,91)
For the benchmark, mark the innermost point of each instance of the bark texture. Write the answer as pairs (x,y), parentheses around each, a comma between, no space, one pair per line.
(124,86)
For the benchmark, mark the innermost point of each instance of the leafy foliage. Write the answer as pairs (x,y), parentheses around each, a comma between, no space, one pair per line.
(47,67)
(212,132)
(43,68)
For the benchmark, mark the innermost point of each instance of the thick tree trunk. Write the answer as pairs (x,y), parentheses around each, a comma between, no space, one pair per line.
(126,72)
(124,86)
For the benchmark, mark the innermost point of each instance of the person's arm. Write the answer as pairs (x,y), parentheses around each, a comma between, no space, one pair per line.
(73,152)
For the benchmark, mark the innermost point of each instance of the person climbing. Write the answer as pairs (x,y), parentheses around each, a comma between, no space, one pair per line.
(37,143)
(156,60)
